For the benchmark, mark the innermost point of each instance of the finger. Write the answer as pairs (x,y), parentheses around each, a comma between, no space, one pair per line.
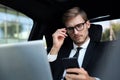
(73,70)
(61,33)
(83,71)
(67,78)
(62,30)
(77,70)
(75,77)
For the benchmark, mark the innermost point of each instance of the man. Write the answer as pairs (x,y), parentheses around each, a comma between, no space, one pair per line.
(77,25)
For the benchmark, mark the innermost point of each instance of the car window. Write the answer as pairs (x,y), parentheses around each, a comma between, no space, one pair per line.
(14,25)
(111,29)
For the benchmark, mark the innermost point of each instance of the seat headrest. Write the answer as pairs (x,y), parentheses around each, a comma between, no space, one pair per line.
(95,32)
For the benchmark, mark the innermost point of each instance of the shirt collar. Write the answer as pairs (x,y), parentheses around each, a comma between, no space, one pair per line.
(84,46)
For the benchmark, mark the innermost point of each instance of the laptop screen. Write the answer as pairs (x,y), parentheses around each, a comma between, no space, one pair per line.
(24,61)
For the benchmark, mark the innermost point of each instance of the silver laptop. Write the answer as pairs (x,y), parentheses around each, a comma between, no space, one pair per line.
(24,61)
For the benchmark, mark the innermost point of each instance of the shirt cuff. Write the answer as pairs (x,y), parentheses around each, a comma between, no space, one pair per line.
(97,78)
(51,58)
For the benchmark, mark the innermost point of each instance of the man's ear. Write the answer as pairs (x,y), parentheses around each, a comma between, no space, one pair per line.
(88,24)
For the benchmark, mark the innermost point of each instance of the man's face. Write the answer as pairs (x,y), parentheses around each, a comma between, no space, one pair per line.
(77,29)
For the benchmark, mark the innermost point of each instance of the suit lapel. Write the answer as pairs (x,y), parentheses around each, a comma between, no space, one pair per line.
(89,54)
(65,51)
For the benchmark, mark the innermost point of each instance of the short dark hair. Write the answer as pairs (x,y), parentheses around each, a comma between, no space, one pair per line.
(73,12)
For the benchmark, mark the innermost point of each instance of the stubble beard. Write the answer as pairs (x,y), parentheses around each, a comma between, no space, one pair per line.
(80,41)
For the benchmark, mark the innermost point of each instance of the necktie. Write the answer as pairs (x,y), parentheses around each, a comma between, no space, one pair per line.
(77,52)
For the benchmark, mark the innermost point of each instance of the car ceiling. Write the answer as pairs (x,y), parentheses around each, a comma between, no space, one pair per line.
(50,12)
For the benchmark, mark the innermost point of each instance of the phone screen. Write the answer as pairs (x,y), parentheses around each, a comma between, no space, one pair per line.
(70,63)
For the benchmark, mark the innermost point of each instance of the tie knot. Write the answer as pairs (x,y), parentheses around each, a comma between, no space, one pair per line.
(77,52)
(78,48)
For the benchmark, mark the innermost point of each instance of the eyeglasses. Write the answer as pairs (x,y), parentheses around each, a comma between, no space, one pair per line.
(78,27)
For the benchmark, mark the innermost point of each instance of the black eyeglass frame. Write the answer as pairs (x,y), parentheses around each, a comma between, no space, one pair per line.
(78,27)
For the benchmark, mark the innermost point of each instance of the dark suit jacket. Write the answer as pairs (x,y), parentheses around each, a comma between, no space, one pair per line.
(92,54)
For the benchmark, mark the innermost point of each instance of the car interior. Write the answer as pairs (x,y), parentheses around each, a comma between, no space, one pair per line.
(47,17)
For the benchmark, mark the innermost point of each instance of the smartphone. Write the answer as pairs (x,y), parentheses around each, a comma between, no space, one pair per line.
(70,63)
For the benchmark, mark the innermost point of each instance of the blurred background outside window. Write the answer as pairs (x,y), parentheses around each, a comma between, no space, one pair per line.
(14,26)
